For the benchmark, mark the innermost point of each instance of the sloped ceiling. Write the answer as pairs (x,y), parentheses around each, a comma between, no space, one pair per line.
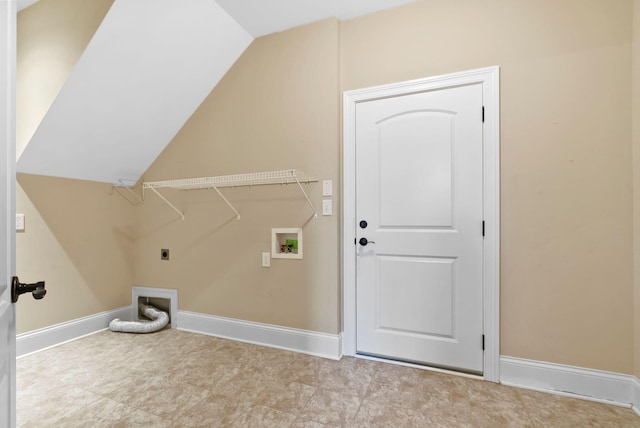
(146,70)
(262,17)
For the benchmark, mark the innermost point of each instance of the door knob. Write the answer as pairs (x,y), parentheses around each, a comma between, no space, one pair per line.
(365,241)
(17,288)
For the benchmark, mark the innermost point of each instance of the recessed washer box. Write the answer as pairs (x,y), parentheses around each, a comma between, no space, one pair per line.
(286,243)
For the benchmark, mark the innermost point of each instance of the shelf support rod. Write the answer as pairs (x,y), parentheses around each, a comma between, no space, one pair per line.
(315,213)
(227,201)
(123,185)
(167,202)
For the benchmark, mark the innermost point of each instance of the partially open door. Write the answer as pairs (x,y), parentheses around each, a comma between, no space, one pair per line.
(7,212)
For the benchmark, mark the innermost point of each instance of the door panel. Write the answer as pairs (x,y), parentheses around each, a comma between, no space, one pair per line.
(7,213)
(426,136)
(419,187)
(414,305)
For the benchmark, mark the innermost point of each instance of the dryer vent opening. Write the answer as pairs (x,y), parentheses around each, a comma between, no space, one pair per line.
(165,299)
(157,302)
(158,321)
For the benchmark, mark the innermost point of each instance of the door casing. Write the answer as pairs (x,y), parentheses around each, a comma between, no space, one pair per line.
(489,78)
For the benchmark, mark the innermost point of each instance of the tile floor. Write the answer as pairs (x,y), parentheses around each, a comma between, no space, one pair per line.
(178,379)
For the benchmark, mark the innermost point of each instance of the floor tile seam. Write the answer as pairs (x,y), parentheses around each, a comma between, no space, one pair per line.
(130,410)
(299,410)
(244,411)
(62,391)
(172,419)
(144,410)
(526,408)
(302,410)
(360,400)
(109,396)
(366,391)
(355,416)
(295,416)
(399,404)
(340,391)
(66,415)
(380,404)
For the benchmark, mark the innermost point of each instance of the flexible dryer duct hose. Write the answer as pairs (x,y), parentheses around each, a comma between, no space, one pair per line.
(159,320)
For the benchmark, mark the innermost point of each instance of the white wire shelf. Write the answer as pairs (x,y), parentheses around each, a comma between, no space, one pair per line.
(287,176)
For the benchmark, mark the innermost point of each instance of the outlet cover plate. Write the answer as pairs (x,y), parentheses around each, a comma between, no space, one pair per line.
(20,222)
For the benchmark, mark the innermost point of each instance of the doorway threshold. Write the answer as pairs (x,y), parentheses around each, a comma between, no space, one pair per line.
(419,366)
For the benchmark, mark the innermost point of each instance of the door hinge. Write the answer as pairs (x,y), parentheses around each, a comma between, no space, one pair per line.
(483,342)
(482,114)
(482,228)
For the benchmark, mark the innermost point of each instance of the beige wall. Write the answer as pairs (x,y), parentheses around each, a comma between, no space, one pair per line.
(636,181)
(566,143)
(52,34)
(79,239)
(565,148)
(78,235)
(277,108)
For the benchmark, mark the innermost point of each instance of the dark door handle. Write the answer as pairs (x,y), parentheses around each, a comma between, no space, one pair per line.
(365,241)
(17,288)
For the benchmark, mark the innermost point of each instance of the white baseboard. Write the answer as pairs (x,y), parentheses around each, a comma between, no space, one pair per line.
(43,338)
(635,395)
(304,341)
(590,384)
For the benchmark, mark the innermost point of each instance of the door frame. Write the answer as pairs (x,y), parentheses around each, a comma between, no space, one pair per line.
(489,78)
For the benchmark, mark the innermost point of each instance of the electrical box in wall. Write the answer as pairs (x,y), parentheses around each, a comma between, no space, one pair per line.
(286,243)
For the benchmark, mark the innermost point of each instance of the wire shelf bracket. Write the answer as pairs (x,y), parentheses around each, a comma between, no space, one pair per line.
(287,176)
(129,190)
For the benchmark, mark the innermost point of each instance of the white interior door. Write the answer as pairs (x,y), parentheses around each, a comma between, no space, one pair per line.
(7,213)
(419,286)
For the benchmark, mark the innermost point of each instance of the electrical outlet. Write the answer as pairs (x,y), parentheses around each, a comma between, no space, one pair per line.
(20,222)
(266,260)
(164,254)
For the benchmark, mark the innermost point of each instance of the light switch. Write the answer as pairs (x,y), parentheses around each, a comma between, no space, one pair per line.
(266,260)
(20,222)
(327,208)
(327,188)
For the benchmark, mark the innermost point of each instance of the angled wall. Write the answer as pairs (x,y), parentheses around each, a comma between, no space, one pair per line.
(99,92)
(79,239)
(277,108)
(78,235)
